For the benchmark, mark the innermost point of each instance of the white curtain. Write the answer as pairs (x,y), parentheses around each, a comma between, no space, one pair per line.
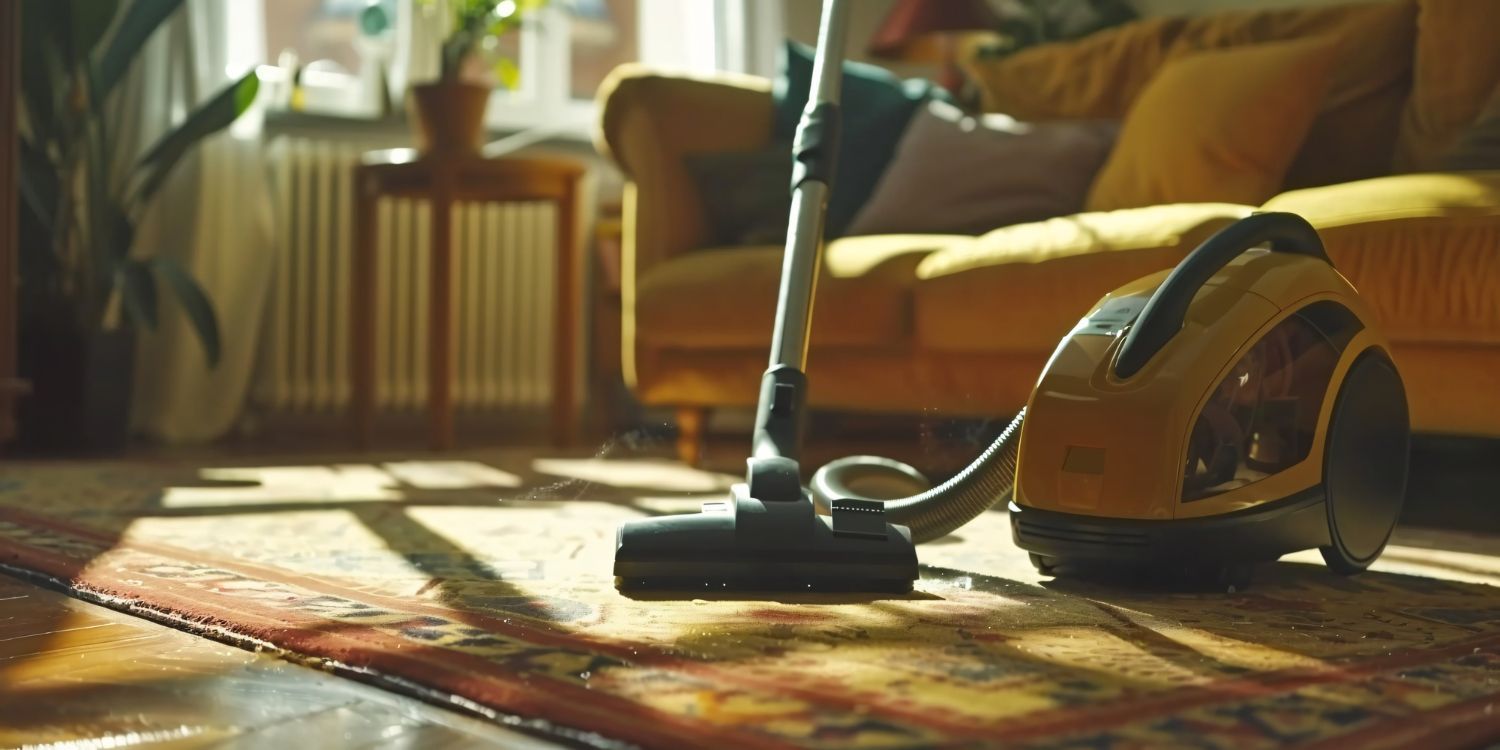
(213,215)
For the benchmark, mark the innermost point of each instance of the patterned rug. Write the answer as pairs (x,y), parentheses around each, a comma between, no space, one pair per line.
(485,584)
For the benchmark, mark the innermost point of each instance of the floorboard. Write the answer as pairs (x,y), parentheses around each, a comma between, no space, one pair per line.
(76,675)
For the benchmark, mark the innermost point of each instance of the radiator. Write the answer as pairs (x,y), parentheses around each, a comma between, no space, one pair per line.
(502,303)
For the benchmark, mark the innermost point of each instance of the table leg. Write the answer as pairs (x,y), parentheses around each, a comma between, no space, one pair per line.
(440,320)
(564,347)
(362,313)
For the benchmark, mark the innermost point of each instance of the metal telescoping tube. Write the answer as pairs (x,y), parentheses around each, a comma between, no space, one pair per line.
(804,243)
(799,276)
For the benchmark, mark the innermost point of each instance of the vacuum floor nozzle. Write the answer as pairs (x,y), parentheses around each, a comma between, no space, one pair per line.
(749,544)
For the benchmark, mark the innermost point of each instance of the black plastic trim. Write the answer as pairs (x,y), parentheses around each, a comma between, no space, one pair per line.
(1164,313)
(815,148)
(1337,324)
(1366,461)
(1264,532)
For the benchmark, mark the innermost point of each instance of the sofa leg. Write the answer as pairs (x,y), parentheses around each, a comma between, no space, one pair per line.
(691,424)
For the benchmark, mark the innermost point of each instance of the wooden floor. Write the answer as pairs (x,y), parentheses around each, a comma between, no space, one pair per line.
(76,675)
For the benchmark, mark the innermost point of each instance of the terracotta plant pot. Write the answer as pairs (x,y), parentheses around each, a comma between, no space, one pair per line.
(448,116)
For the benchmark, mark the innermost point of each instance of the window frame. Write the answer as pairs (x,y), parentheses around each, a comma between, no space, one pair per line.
(742,37)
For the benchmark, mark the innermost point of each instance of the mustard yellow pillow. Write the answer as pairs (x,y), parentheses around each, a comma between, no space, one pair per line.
(1220,126)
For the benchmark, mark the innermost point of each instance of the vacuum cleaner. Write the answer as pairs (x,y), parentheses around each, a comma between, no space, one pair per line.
(1236,408)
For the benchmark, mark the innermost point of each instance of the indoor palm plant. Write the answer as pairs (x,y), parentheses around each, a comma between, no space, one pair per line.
(449,112)
(85,286)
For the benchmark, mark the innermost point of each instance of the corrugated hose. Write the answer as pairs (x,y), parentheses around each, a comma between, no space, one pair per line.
(938,511)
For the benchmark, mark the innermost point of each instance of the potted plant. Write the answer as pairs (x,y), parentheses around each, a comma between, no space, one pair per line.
(449,112)
(84,287)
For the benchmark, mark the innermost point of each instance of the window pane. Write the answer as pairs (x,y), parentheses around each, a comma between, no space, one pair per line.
(324,34)
(603,36)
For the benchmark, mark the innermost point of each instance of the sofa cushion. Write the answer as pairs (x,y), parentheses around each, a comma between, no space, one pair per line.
(1036,280)
(1100,75)
(726,298)
(1217,126)
(1457,65)
(1423,250)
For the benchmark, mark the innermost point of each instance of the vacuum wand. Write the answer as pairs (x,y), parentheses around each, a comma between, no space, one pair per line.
(778,422)
(768,535)
(813,153)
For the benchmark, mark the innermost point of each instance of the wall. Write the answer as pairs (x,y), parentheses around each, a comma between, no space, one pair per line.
(801,17)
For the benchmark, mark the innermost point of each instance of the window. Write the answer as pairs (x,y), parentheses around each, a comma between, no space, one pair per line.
(573,45)
(345,52)
(336,49)
(602,34)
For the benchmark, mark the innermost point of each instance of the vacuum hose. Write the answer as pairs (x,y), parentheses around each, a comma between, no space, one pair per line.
(937,511)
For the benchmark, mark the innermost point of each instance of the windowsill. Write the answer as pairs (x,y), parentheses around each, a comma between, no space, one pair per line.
(394,125)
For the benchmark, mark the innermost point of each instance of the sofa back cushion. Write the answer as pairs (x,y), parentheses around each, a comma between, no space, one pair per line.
(1457,66)
(1101,75)
(744,193)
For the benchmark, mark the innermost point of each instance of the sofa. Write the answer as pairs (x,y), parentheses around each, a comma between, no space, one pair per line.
(962,325)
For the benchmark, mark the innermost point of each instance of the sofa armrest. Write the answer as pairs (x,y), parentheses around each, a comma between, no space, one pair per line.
(1421,249)
(648,121)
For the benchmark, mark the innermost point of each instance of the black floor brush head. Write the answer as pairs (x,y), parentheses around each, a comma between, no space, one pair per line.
(746,544)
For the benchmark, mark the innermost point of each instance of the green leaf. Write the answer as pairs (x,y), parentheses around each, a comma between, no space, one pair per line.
(38,265)
(38,179)
(40,80)
(56,19)
(91,19)
(153,168)
(141,20)
(195,303)
(138,291)
(507,73)
(121,231)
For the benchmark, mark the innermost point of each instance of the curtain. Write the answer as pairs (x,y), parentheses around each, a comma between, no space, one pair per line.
(213,215)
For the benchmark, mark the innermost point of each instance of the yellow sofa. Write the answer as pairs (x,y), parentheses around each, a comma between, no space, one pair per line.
(961,325)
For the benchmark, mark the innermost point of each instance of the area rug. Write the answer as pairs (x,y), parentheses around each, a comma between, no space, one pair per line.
(484,584)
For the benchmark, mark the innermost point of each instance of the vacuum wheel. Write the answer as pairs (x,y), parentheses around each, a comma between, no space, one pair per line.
(1365,463)
(1045,565)
(1235,577)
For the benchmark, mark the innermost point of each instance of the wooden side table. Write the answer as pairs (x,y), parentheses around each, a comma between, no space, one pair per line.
(445,180)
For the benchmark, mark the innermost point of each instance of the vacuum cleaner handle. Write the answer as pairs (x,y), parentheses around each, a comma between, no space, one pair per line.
(779,415)
(1163,315)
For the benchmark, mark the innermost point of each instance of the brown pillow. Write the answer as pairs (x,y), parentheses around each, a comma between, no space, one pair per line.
(1216,127)
(956,174)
